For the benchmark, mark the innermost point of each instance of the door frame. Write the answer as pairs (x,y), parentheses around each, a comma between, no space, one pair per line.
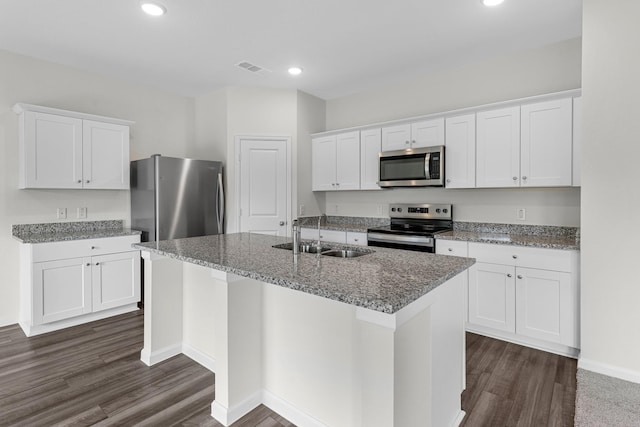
(238,173)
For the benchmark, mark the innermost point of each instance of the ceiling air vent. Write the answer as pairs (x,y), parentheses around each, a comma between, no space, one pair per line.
(251,67)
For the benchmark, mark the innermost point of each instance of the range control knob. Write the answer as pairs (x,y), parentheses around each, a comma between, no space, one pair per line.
(393,209)
(438,210)
(399,209)
(445,210)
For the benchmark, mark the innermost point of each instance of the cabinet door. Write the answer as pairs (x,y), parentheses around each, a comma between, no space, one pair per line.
(61,289)
(52,151)
(460,155)
(370,147)
(545,158)
(492,296)
(348,161)
(105,152)
(356,238)
(451,247)
(396,137)
(498,148)
(544,305)
(427,133)
(577,142)
(323,163)
(115,280)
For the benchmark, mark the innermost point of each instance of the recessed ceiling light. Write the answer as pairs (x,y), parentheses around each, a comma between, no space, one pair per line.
(153,8)
(295,71)
(491,2)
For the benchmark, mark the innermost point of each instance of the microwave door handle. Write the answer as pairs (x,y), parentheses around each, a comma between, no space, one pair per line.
(427,161)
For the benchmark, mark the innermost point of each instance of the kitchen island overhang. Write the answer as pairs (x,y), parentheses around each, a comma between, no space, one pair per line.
(374,340)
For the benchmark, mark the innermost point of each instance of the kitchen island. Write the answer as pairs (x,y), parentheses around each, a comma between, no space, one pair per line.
(376,340)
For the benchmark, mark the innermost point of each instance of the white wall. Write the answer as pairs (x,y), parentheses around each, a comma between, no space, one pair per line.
(164,124)
(311,119)
(550,69)
(610,195)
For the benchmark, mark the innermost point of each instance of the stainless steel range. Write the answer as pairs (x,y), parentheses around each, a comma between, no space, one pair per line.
(412,227)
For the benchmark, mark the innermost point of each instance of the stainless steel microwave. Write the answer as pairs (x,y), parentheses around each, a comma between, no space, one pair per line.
(419,167)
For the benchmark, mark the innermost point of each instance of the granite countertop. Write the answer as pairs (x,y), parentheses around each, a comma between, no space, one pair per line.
(65,231)
(385,280)
(550,237)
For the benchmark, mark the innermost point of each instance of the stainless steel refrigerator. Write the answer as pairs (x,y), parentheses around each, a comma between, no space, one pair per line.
(172,198)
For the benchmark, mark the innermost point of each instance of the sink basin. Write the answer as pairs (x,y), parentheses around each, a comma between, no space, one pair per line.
(345,253)
(304,248)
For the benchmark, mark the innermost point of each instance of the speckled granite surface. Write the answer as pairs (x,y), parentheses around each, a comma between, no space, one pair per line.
(386,280)
(343,223)
(63,231)
(538,236)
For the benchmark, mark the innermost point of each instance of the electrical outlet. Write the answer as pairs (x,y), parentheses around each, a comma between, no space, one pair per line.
(522,214)
(301,210)
(81,213)
(61,213)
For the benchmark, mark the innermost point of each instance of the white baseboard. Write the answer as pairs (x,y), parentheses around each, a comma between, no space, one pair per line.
(158,356)
(199,357)
(459,419)
(227,416)
(287,410)
(609,370)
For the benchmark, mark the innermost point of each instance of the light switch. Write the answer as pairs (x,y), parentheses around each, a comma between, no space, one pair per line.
(61,213)
(522,214)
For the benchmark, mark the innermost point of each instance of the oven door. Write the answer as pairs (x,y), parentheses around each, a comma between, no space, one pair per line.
(396,241)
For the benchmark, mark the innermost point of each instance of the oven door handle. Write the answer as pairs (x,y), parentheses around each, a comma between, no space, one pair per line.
(427,166)
(390,238)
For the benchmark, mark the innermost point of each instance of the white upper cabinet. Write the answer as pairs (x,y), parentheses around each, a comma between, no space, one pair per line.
(64,149)
(105,153)
(460,152)
(546,144)
(577,141)
(427,133)
(498,148)
(336,162)
(370,147)
(527,146)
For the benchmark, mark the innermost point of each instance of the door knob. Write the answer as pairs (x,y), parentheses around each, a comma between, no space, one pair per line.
(282,223)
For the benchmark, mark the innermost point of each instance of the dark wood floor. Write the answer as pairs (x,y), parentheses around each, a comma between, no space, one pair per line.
(92,375)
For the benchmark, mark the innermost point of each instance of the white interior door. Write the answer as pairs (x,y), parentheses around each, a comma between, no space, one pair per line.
(264,185)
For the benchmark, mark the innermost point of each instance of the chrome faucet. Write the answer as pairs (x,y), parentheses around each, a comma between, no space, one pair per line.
(318,246)
(295,231)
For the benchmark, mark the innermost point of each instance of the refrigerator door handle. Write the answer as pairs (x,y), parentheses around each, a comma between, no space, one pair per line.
(220,204)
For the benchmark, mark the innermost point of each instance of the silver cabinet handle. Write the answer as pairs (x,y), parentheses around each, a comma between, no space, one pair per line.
(448,180)
(93,247)
(508,274)
(97,263)
(406,142)
(79,181)
(515,178)
(519,276)
(88,181)
(450,249)
(524,178)
(282,223)
(515,256)
(88,264)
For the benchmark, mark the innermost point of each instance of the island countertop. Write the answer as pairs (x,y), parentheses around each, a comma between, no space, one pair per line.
(386,280)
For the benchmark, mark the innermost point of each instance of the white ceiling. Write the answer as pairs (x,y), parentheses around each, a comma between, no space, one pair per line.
(344,46)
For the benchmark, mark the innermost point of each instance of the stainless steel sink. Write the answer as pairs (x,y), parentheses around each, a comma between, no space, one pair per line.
(346,253)
(305,248)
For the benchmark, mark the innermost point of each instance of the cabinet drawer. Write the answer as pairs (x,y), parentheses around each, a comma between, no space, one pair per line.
(545,259)
(451,247)
(82,248)
(356,238)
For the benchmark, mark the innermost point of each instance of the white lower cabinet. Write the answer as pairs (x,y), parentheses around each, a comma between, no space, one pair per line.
(337,236)
(87,282)
(525,295)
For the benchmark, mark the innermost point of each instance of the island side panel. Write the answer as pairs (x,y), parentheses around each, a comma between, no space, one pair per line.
(162,308)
